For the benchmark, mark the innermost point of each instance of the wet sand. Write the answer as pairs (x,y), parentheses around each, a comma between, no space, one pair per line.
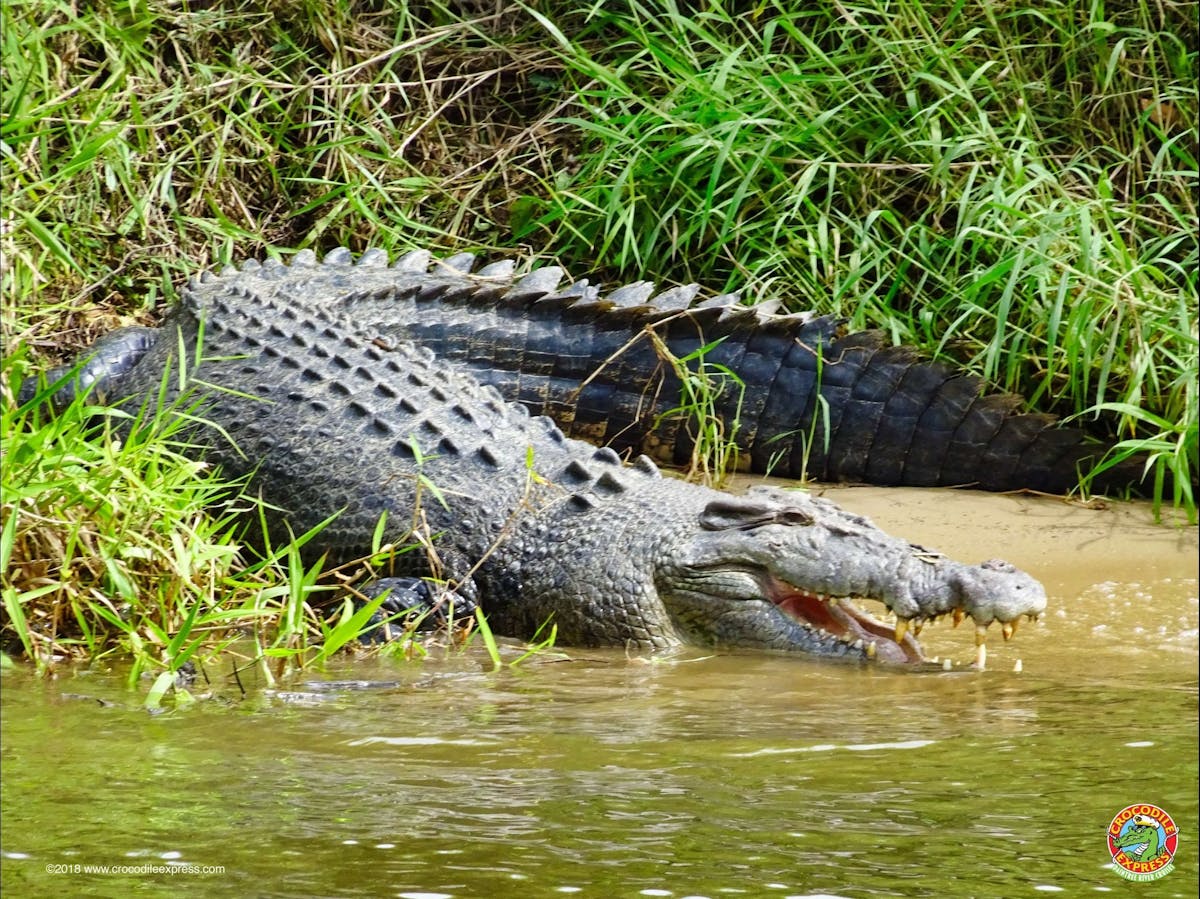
(1047,536)
(1119,584)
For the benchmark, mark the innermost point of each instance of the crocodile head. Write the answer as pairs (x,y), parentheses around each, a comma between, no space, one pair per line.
(783,570)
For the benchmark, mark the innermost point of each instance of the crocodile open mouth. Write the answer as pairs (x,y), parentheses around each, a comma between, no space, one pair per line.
(841,618)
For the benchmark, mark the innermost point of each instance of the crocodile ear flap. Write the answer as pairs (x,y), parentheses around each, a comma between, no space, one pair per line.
(736,513)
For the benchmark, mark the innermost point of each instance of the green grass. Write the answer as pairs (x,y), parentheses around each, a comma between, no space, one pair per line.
(715,448)
(116,543)
(1012,186)
(1009,185)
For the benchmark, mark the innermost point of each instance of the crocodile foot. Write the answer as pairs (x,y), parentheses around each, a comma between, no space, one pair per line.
(413,603)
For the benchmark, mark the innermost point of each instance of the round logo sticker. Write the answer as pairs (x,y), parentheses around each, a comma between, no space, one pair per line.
(1142,840)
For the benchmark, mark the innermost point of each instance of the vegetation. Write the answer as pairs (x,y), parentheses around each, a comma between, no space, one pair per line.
(1014,185)
(1008,184)
(115,541)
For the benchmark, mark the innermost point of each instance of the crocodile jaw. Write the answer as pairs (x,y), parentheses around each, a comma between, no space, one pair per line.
(840,617)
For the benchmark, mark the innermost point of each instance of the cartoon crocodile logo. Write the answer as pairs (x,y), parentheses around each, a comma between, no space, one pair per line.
(1142,840)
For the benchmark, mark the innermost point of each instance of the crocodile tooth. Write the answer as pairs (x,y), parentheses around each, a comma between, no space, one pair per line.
(339,256)
(918,626)
(901,629)
(1009,628)
(304,258)
(1018,667)
(947,665)
(374,257)
(958,617)
(981,656)
(858,644)
(871,650)
(980,634)
(416,261)
(460,262)
(501,271)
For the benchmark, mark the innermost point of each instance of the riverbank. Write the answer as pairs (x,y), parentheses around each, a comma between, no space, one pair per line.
(1011,189)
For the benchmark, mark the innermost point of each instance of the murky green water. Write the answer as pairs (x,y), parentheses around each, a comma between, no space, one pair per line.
(601,776)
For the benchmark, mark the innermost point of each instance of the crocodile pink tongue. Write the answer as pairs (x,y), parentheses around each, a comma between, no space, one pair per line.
(842,619)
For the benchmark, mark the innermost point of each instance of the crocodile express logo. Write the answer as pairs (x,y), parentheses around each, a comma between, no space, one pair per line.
(1142,840)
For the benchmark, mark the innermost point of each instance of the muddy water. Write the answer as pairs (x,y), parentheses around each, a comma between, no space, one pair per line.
(693,775)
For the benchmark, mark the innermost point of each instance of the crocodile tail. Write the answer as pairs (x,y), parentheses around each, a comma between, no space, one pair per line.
(808,399)
(797,395)
(98,370)
(895,417)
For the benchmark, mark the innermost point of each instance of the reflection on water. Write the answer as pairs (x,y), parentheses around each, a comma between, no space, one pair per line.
(694,775)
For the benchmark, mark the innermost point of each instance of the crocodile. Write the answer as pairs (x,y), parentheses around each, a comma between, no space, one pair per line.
(809,400)
(797,395)
(1141,839)
(282,385)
